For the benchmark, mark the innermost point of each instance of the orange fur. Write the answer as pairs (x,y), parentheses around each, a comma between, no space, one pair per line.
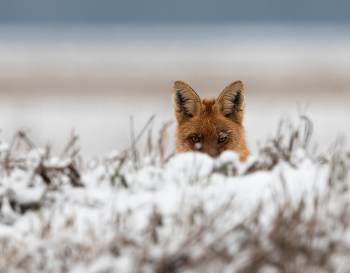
(210,121)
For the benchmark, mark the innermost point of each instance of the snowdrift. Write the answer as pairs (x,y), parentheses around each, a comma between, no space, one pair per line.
(284,210)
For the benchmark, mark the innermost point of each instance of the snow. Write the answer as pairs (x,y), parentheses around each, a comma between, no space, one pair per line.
(99,223)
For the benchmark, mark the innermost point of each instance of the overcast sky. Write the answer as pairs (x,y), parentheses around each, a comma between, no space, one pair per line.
(174,11)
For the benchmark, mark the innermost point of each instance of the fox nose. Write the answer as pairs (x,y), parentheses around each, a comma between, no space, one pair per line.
(211,151)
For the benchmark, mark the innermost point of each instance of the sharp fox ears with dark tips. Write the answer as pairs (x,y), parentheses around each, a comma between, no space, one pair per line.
(231,102)
(186,102)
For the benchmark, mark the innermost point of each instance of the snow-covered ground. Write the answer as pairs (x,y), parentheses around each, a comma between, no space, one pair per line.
(285,210)
(100,209)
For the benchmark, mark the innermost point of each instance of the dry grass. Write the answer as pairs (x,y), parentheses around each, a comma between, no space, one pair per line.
(299,238)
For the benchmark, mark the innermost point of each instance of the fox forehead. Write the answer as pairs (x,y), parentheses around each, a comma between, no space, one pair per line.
(208,106)
(208,123)
(211,126)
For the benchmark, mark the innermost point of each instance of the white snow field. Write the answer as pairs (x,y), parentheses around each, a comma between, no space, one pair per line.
(284,210)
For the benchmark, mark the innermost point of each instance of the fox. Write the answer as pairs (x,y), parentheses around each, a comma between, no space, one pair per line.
(210,126)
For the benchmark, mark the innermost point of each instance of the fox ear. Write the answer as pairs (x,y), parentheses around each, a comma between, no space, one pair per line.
(231,102)
(186,101)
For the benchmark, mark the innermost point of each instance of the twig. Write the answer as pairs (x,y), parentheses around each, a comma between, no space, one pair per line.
(73,139)
(126,154)
(132,136)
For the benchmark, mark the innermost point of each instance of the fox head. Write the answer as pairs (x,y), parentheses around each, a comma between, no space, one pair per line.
(210,126)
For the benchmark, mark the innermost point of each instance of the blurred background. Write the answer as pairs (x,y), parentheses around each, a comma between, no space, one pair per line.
(90,65)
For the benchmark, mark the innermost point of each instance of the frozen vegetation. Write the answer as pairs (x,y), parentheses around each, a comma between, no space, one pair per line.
(284,210)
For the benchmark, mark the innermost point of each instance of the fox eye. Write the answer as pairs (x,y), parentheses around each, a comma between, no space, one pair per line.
(195,139)
(222,139)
